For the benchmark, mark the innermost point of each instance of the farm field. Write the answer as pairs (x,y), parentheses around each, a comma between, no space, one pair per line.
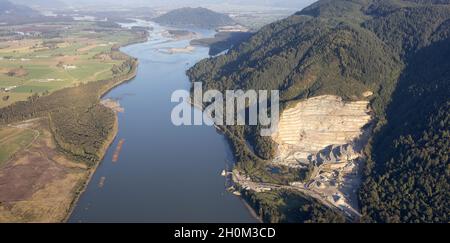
(38,183)
(14,139)
(42,58)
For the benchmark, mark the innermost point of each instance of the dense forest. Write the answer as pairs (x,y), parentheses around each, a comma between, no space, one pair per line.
(408,173)
(397,49)
(222,41)
(194,18)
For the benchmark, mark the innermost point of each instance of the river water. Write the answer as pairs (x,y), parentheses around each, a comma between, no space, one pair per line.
(164,173)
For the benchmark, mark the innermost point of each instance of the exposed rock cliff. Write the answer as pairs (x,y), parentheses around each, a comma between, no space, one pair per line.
(326,135)
(317,123)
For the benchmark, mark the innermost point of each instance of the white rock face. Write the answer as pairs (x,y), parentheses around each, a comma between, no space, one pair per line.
(328,134)
(317,123)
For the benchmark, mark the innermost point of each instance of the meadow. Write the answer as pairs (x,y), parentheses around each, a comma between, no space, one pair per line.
(13,139)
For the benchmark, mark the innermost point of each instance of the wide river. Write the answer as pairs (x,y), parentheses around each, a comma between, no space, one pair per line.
(164,173)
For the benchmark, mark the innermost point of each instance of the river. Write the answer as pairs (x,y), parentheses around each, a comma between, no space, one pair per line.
(163,173)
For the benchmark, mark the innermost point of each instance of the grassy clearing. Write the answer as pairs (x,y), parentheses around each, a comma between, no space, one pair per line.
(37,185)
(12,140)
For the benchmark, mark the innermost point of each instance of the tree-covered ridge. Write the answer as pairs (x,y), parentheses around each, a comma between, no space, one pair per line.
(412,183)
(408,172)
(344,48)
(194,17)
(411,28)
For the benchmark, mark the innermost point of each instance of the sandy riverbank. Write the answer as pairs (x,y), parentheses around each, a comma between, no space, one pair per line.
(176,50)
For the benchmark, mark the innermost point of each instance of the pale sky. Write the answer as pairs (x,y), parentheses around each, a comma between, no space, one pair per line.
(294,4)
(290,6)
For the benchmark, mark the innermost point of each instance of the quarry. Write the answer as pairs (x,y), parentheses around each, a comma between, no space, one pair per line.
(324,135)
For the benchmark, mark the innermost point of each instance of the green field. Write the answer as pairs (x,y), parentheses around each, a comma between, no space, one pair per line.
(50,64)
(13,140)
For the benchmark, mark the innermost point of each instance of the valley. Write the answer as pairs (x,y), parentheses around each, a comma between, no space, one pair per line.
(87,132)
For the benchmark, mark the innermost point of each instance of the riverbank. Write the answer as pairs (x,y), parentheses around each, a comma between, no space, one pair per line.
(189,175)
(251,210)
(113,134)
(79,192)
(228,136)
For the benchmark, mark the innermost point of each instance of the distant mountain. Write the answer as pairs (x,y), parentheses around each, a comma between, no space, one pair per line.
(9,8)
(194,17)
(14,13)
(41,4)
(293,4)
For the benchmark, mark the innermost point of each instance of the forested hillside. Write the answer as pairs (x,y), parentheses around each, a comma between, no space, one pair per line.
(194,18)
(408,174)
(396,49)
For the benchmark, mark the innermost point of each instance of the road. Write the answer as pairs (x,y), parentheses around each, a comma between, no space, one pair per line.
(260,187)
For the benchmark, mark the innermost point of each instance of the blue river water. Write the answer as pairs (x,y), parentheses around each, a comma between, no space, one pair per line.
(164,173)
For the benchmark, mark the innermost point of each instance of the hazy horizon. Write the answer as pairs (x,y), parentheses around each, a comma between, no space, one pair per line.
(224,4)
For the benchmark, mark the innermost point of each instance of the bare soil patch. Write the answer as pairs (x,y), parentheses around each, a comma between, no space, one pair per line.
(39,183)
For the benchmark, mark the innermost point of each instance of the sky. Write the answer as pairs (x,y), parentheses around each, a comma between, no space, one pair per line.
(286,4)
(273,3)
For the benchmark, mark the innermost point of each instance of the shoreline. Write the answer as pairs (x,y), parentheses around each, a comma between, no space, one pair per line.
(109,142)
(221,130)
(91,171)
(251,210)
(114,133)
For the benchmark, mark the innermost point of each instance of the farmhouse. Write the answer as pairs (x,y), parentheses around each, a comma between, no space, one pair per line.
(7,89)
(69,67)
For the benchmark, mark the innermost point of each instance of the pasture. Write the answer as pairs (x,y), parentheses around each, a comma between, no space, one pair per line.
(14,139)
